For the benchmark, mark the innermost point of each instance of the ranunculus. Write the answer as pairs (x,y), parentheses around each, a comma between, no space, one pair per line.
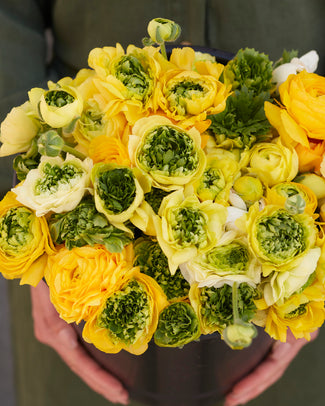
(25,242)
(162,29)
(188,227)
(273,163)
(56,185)
(170,155)
(187,96)
(18,129)
(279,193)
(59,105)
(229,261)
(79,279)
(303,98)
(302,313)
(310,158)
(279,238)
(127,80)
(108,150)
(217,179)
(119,194)
(128,315)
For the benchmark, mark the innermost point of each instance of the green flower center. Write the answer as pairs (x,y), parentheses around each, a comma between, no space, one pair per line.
(56,176)
(188,227)
(168,151)
(117,189)
(299,311)
(228,258)
(153,262)
(134,77)
(15,230)
(58,98)
(180,93)
(281,237)
(213,180)
(126,313)
(177,325)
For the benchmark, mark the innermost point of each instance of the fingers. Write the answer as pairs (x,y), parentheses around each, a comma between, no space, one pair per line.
(55,332)
(268,372)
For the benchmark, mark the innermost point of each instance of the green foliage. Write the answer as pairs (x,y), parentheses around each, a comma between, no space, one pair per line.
(85,226)
(250,69)
(153,262)
(23,163)
(177,325)
(243,122)
(155,197)
(286,57)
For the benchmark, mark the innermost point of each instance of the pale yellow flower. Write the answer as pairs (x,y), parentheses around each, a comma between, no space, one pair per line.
(18,130)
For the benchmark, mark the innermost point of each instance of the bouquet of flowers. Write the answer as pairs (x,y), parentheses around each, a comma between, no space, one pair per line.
(168,197)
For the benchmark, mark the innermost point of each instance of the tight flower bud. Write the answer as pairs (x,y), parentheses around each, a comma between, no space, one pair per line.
(162,29)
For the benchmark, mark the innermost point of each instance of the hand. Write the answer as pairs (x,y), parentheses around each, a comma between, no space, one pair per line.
(53,331)
(268,372)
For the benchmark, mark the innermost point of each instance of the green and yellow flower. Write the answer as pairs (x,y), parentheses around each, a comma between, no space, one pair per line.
(128,315)
(229,261)
(186,227)
(79,279)
(59,105)
(178,325)
(25,242)
(170,155)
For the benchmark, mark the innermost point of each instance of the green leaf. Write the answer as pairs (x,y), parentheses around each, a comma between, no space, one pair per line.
(86,226)
(243,122)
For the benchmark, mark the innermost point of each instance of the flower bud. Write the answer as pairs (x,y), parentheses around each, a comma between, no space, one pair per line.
(162,29)
(50,144)
(315,182)
(249,188)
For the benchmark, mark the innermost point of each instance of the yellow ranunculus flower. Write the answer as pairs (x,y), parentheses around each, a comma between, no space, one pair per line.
(279,193)
(303,98)
(217,178)
(59,105)
(108,150)
(25,242)
(127,81)
(187,96)
(18,130)
(273,163)
(78,279)
(170,155)
(302,313)
(128,315)
(277,236)
(188,227)
(187,59)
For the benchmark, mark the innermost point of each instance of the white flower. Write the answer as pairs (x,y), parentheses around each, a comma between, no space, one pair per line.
(307,62)
(56,185)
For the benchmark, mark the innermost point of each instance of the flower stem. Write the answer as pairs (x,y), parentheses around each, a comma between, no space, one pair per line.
(74,152)
(163,50)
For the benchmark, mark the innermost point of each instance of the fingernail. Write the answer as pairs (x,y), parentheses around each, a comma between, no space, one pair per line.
(68,338)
